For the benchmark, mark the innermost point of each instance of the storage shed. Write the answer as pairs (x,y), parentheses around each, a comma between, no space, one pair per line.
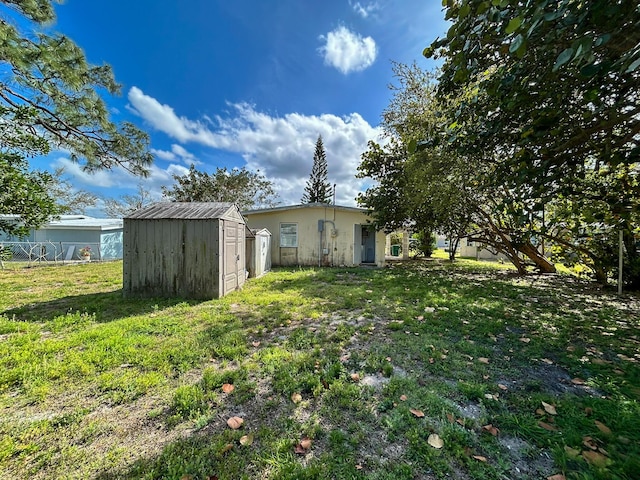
(188,250)
(258,252)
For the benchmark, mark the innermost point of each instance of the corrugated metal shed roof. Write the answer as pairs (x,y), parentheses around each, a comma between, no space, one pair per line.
(184,210)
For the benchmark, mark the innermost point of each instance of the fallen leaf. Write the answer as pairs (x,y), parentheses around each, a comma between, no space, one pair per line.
(228,388)
(246,440)
(589,443)
(540,411)
(451,418)
(502,387)
(420,318)
(296,398)
(571,452)
(603,428)
(559,476)
(228,447)
(588,411)
(429,309)
(299,450)
(550,409)
(594,458)
(480,458)
(388,359)
(255,344)
(525,340)
(306,443)
(483,359)
(358,467)
(577,381)
(235,422)
(548,427)
(417,413)
(547,361)
(403,398)
(571,348)
(355,377)
(435,441)
(491,429)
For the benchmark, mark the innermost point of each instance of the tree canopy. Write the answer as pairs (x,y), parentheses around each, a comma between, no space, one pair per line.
(318,189)
(550,98)
(127,204)
(240,186)
(24,193)
(50,98)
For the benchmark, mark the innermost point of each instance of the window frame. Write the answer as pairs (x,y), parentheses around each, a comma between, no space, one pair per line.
(289,235)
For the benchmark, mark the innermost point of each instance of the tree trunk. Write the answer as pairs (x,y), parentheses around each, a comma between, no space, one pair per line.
(544,265)
(453,247)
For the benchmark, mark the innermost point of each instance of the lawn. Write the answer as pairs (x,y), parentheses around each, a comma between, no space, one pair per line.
(421,370)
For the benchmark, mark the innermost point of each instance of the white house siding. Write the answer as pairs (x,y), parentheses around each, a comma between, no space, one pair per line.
(338,244)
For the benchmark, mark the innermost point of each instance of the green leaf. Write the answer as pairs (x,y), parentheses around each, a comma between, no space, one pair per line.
(412,145)
(483,7)
(513,25)
(633,66)
(563,58)
(516,44)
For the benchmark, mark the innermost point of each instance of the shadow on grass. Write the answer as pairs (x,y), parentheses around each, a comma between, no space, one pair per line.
(106,306)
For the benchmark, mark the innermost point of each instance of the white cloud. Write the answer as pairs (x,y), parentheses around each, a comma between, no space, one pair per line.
(281,147)
(364,10)
(177,153)
(163,118)
(120,178)
(348,51)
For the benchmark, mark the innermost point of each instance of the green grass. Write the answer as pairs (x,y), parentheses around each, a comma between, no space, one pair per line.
(96,385)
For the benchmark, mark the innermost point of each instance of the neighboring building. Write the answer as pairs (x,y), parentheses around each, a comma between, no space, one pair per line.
(66,236)
(320,234)
(187,250)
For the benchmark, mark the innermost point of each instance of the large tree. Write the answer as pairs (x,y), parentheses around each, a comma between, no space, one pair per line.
(318,188)
(240,186)
(24,193)
(556,103)
(433,186)
(49,99)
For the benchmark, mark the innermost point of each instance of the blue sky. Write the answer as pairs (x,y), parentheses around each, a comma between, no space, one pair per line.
(249,83)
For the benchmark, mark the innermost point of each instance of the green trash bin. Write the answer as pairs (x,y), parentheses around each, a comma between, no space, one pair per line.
(395,250)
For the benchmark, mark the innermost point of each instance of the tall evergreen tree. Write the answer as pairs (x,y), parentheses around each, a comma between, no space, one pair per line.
(318,188)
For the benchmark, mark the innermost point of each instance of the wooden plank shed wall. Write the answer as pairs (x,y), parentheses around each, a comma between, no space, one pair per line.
(179,250)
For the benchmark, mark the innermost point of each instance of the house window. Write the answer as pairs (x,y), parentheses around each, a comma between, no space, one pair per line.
(288,234)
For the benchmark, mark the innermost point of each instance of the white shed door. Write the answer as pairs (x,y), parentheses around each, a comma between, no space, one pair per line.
(232,261)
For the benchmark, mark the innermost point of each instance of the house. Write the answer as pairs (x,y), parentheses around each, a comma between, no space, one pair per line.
(320,234)
(188,250)
(63,238)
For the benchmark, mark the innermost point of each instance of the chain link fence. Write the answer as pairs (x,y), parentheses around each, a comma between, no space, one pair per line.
(49,252)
